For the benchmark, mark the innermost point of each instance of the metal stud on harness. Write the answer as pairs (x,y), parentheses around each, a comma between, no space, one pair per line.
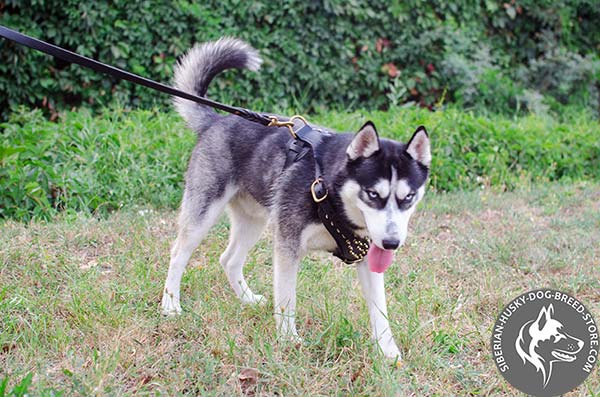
(305,140)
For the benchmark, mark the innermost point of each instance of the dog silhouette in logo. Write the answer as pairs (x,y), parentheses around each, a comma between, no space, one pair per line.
(543,342)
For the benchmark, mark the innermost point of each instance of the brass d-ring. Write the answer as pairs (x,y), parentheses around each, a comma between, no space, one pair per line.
(314,195)
(298,117)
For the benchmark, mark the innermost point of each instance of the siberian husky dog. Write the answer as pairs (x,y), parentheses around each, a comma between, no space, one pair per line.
(238,165)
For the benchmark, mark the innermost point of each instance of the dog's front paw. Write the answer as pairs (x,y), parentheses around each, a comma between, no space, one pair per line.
(293,339)
(390,349)
(170,305)
(286,330)
(392,352)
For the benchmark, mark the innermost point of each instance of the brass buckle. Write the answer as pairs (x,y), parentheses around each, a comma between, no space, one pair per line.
(314,195)
(289,124)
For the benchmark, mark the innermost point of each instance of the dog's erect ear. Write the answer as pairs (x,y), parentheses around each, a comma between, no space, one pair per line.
(418,147)
(365,142)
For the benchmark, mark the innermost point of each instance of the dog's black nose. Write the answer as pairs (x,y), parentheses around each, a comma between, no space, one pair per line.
(390,244)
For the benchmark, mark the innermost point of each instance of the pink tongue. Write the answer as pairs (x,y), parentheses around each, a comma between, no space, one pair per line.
(379,259)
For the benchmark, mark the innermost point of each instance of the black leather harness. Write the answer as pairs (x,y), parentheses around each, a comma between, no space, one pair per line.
(350,247)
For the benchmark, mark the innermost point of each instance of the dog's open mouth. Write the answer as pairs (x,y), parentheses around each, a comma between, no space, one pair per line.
(561,355)
(379,259)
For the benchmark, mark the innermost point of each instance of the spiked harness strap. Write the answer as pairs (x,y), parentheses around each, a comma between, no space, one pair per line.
(350,247)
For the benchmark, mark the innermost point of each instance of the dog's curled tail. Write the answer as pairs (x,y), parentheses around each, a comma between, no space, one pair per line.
(200,65)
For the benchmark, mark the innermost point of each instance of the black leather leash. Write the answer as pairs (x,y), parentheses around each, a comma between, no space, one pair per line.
(72,57)
(351,248)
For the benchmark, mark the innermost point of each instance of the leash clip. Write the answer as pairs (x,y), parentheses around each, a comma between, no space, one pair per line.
(316,182)
(289,124)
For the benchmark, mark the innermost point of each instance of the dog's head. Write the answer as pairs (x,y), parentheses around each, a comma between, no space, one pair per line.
(384,182)
(543,342)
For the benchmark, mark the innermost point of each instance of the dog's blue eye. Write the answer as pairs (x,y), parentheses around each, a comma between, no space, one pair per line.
(372,194)
(409,197)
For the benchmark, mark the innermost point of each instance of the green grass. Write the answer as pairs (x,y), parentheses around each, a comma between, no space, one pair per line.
(80,297)
(101,163)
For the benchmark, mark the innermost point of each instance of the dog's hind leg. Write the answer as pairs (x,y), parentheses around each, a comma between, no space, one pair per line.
(195,220)
(246,229)
(374,293)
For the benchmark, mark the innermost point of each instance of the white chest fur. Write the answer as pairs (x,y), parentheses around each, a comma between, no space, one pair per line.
(316,237)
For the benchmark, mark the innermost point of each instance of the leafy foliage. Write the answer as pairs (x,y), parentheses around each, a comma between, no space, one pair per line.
(332,54)
(90,164)
(102,163)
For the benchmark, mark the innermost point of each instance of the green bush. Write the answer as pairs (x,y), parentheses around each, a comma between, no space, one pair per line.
(335,54)
(101,163)
(90,164)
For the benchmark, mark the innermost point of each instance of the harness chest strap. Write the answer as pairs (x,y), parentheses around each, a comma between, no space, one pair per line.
(350,247)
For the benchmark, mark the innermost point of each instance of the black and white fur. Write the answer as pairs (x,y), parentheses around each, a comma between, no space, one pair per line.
(238,165)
